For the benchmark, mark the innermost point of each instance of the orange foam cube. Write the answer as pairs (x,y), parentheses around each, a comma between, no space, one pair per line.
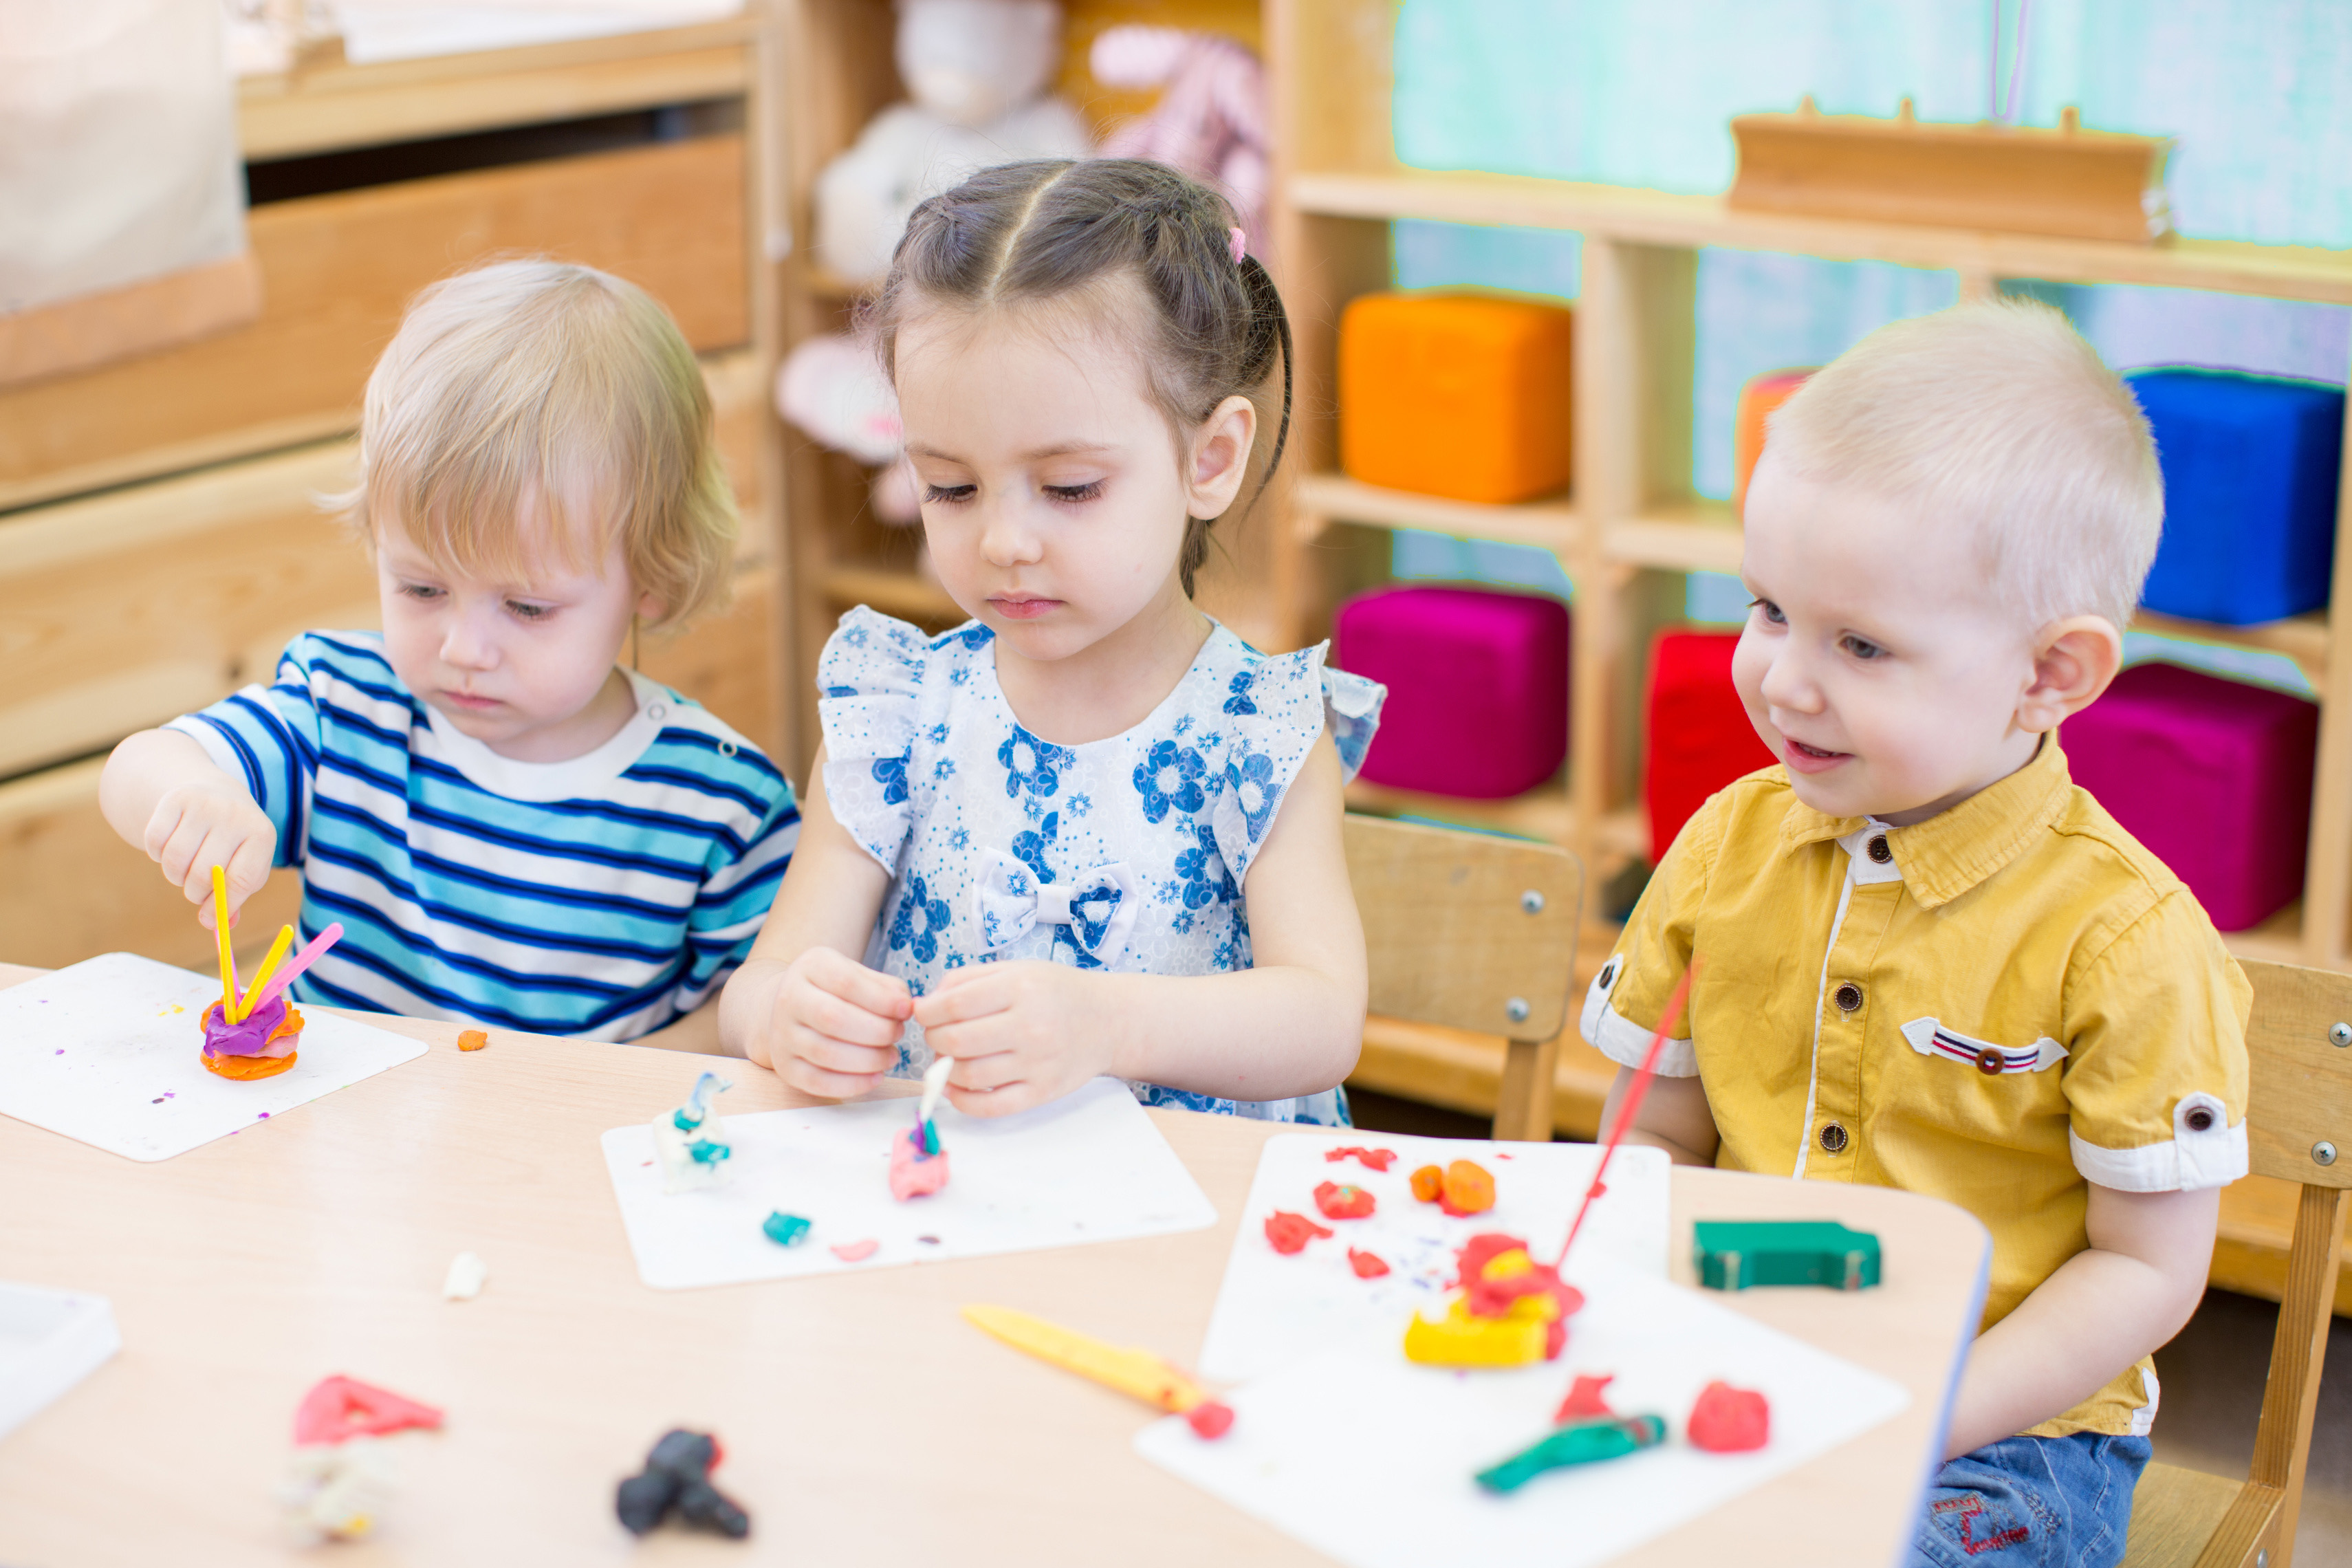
(1464,395)
(1758,399)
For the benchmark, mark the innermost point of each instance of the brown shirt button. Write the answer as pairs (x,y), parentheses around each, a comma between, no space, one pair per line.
(1990,1060)
(1880,852)
(1848,996)
(2199,1120)
(1832,1138)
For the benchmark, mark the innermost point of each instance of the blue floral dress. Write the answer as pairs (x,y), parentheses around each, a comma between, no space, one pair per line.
(1127,853)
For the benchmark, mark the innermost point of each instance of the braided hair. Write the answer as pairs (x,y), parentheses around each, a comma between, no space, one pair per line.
(1046,228)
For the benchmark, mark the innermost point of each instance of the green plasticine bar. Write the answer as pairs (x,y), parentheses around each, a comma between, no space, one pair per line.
(1585,1442)
(1732,1255)
(785,1229)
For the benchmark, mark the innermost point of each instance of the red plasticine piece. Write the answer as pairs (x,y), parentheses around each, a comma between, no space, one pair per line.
(1210,1419)
(1584,1401)
(1343,1203)
(1372,1159)
(1291,1232)
(1728,1420)
(340,1407)
(856,1251)
(1367,1265)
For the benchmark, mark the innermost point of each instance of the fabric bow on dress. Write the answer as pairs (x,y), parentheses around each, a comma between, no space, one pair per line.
(1099,906)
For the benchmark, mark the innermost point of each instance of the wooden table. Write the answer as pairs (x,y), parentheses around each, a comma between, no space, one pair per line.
(864,1422)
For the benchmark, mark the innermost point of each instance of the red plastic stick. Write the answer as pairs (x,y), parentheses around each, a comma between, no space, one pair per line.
(1642,1077)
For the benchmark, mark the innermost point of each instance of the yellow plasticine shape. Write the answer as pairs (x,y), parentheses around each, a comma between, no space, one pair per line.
(1135,1372)
(1460,1340)
(1508,1265)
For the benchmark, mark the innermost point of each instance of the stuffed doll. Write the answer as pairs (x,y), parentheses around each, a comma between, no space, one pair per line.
(975,72)
(1211,121)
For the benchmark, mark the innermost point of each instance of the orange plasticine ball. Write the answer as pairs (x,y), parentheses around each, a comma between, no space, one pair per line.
(1467,1189)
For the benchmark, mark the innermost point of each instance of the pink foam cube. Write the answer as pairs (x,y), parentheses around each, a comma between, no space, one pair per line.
(1477,703)
(2213,775)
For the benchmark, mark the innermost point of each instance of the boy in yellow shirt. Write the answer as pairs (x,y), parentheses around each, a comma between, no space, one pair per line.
(1930,961)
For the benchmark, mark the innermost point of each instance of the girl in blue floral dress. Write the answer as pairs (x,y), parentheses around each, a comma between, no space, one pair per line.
(1090,831)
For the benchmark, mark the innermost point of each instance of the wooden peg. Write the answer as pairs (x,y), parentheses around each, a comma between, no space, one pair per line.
(1905,113)
(1806,107)
(2070,120)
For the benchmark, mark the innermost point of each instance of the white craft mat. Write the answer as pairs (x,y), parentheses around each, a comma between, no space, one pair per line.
(111,1052)
(1368,1457)
(1274,1310)
(1089,1167)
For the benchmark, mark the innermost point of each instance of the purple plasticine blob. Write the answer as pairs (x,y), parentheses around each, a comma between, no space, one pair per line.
(249,1037)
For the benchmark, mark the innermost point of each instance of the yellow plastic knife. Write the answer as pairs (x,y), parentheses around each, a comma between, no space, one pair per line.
(1132,1372)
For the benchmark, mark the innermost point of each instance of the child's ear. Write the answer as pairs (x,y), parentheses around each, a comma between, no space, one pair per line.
(1220,457)
(2074,660)
(650,608)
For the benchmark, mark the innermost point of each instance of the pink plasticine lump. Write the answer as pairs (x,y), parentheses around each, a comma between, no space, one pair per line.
(913,1173)
(856,1251)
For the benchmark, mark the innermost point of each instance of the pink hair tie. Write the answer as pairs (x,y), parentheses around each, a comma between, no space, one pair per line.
(1241,244)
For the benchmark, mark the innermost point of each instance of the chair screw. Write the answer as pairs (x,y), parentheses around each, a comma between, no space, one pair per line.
(2341,1036)
(2324,1153)
(1533,903)
(1517,1009)
(2262,1558)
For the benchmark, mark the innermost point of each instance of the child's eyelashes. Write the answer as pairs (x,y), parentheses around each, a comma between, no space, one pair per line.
(1861,648)
(423,593)
(1090,490)
(523,610)
(1771,611)
(947,495)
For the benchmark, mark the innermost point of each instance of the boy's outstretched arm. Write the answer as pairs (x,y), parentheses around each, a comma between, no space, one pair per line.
(804,1002)
(1675,1116)
(2118,1299)
(164,795)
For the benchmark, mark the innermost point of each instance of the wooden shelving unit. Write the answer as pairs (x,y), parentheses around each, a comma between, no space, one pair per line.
(1632,528)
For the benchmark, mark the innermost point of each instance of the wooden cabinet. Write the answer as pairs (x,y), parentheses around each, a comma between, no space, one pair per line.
(167,537)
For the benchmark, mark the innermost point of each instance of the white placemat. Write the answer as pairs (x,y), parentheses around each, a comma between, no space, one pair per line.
(1089,1167)
(1368,1457)
(1273,1311)
(109,1052)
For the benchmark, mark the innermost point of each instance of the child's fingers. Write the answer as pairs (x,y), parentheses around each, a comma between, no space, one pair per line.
(823,1012)
(810,1079)
(974,999)
(987,1069)
(1003,1101)
(830,1054)
(884,995)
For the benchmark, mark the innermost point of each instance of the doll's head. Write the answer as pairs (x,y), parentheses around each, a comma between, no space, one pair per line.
(538,479)
(1946,536)
(1076,348)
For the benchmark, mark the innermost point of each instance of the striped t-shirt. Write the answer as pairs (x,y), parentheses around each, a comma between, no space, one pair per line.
(603,896)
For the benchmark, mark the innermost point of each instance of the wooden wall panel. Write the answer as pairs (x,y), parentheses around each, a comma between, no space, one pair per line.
(336,271)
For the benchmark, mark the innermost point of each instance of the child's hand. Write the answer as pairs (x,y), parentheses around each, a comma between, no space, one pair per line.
(824,1022)
(1021,1034)
(204,822)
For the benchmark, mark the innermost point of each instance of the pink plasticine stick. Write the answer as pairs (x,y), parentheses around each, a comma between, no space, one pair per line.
(1633,1103)
(295,965)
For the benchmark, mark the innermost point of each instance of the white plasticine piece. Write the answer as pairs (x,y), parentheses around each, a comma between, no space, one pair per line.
(678,1133)
(336,1491)
(468,1275)
(935,1083)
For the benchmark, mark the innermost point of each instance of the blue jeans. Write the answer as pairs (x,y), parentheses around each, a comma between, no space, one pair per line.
(2032,1502)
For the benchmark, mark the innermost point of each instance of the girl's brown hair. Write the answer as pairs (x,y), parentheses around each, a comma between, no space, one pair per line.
(1040,231)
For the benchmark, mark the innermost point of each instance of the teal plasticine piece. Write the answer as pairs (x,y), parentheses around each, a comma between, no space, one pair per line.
(785,1229)
(930,1138)
(705,1152)
(1585,1442)
(1732,1255)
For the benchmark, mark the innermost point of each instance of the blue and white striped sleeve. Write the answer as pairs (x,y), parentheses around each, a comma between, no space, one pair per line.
(267,738)
(733,901)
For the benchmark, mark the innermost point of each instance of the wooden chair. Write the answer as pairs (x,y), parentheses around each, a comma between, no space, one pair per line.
(1472,931)
(2299,1128)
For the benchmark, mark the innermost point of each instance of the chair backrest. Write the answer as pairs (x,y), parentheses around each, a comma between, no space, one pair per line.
(2298,1129)
(1466,929)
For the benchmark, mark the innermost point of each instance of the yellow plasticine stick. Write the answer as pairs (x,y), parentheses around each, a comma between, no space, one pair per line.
(220,933)
(277,950)
(1137,1372)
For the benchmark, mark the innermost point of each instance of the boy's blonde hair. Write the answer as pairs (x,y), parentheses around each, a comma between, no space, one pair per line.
(512,385)
(2001,418)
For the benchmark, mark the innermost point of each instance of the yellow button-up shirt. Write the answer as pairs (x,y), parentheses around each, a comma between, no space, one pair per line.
(1996,1006)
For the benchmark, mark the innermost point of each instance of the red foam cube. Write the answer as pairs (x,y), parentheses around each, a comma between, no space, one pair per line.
(2213,776)
(1477,703)
(1696,737)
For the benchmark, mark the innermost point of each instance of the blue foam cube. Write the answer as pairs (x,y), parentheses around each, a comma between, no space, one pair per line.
(2250,480)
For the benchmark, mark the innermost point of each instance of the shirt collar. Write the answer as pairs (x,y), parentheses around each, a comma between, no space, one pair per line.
(1952,851)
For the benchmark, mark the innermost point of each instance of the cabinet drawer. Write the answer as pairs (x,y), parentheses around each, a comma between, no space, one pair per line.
(336,271)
